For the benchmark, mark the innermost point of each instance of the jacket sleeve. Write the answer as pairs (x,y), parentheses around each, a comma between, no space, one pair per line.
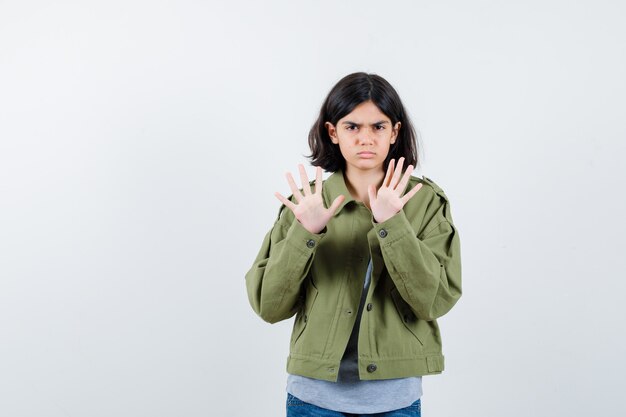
(426,269)
(274,280)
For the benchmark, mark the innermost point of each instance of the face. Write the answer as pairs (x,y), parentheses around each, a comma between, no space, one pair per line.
(364,137)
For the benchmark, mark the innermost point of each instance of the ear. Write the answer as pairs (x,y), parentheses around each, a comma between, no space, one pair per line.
(332,132)
(394,133)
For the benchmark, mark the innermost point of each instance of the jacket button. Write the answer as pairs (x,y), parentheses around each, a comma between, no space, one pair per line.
(382,233)
(371,367)
(369,307)
(310,243)
(305,318)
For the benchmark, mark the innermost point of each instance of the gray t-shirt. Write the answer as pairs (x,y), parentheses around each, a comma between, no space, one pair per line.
(350,394)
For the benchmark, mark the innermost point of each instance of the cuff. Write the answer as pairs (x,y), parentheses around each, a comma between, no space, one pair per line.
(301,238)
(393,228)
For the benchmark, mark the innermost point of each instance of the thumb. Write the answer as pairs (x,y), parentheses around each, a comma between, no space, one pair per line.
(336,203)
(371,191)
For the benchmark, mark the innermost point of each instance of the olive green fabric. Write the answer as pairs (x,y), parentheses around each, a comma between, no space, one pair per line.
(416,278)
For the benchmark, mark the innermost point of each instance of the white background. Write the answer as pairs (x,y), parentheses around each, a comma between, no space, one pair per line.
(141,143)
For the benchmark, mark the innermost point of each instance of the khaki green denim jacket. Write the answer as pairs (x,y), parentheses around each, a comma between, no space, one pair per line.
(416,278)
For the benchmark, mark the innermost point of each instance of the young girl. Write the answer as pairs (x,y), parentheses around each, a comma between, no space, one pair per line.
(367,260)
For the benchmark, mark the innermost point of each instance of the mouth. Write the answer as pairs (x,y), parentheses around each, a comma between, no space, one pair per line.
(366,155)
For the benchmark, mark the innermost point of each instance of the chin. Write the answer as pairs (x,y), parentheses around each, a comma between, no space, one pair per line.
(368,164)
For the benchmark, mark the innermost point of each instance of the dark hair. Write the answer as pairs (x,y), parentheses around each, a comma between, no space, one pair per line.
(349,92)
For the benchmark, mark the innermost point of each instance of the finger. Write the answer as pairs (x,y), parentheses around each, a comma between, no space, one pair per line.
(405,178)
(318,180)
(306,187)
(285,201)
(389,173)
(371,192)
(411,193)
(396,175)
(294,188)
(336,203)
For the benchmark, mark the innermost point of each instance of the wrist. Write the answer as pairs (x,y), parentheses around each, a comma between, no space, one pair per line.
(313,231)
(383,219)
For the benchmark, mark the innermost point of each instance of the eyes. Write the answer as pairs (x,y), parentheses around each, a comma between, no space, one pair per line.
(376,127)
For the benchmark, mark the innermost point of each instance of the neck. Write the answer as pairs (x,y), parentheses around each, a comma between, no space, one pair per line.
(357,182)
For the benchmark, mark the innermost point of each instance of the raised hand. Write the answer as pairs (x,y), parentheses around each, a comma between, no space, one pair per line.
(388,202)
(310,210)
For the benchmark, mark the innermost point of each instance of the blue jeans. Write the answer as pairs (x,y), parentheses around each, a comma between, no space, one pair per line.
(298,408)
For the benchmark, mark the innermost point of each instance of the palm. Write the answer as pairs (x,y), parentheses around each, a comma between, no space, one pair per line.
(310,210)
(388,201)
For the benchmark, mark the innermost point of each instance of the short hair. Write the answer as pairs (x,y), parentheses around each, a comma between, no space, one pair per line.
(349,92)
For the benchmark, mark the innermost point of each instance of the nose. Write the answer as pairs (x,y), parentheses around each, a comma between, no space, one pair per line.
(366,137)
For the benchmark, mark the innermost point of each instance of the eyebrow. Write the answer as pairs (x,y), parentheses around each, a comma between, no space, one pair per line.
(381,122)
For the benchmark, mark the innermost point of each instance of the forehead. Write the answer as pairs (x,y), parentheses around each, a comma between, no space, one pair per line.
(365,112)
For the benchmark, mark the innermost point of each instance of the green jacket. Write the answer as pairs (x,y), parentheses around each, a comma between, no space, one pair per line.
(416,278)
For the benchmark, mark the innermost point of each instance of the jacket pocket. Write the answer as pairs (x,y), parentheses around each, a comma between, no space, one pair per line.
(304,314)
(408,318)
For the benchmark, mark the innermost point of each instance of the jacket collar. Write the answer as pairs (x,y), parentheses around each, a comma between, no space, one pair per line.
(334,186)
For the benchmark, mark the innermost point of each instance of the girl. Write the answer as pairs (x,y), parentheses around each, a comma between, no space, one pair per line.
(367,260)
